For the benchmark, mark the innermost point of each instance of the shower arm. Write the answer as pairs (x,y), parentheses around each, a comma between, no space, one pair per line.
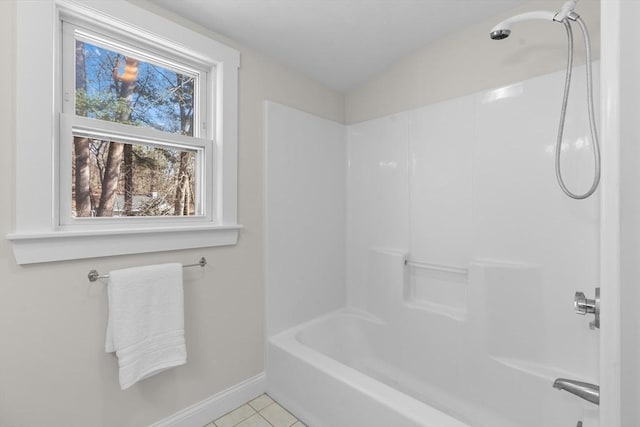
(566,11)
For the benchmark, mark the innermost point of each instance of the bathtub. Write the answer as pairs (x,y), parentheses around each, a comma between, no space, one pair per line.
(321,371)
(350,369)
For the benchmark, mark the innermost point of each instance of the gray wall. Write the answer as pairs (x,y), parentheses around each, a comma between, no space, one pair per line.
(305,215)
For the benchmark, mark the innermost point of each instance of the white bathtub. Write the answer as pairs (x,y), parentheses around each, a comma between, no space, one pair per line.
(317,370)
(347,369)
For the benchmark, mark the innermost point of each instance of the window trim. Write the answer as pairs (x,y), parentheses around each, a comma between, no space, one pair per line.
(37,236)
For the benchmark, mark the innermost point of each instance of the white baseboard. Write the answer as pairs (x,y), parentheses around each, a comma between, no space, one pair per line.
(214,407)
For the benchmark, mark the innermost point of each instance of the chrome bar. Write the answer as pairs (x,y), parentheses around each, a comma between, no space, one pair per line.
(94,275)
(436,267)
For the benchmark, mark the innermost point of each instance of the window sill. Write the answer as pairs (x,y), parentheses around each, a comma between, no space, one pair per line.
(30,248)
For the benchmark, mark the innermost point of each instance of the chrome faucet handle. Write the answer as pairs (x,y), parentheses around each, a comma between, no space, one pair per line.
(580,303)
(583,306)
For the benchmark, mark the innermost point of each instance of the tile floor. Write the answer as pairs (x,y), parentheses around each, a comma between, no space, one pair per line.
(259,412)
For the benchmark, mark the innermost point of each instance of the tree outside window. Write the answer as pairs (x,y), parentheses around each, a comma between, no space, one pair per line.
(117,178)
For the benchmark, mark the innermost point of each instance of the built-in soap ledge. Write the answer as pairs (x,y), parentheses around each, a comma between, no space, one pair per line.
(437,288)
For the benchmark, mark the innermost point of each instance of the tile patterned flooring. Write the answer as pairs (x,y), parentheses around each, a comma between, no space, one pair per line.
(259,412)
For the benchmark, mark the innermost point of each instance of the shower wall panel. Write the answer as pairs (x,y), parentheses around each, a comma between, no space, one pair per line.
(471,181)
(441,146)
(377,195)
(305,216)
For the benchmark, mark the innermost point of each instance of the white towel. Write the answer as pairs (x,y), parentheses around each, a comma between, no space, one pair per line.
(146,321)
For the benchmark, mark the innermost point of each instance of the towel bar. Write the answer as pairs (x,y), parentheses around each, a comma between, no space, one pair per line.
(94,275)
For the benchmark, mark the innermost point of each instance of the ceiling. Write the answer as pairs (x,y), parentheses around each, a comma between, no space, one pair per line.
(341,43)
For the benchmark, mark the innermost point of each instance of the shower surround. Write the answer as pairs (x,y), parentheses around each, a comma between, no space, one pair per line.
(421,266)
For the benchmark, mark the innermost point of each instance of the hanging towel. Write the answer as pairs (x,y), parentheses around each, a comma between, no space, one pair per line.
(146,321)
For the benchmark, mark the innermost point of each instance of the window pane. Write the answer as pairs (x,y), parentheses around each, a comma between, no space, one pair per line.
(115,179)
(119,88)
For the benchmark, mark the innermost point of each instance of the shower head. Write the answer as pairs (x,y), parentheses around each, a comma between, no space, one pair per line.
(503,29)
(500,34)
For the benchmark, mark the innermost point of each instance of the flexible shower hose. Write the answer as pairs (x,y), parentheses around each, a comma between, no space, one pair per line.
(563,113)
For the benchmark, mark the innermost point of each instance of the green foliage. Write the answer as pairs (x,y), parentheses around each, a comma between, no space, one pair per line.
(103,106)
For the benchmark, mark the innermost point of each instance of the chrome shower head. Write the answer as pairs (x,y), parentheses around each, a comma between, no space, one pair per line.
(503,29)
(499,34)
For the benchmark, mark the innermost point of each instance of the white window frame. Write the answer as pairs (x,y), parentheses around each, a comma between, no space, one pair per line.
(41,235)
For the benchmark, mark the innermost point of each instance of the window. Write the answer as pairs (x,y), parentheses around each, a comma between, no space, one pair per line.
(137,130)
(112,88)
